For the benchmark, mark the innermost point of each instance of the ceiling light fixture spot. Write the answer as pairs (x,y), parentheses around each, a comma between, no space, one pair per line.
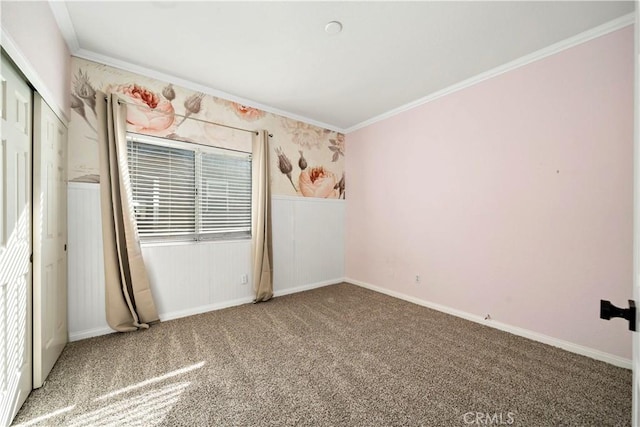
(333,27)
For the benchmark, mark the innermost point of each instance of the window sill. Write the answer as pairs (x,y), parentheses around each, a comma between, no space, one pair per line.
(192,242)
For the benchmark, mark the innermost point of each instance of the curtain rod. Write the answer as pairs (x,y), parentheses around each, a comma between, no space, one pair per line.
(141,137)
(192,118)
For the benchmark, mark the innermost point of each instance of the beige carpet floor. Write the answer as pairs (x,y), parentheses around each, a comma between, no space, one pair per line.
(334,356)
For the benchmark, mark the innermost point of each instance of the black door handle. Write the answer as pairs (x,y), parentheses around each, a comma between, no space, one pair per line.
(608,310)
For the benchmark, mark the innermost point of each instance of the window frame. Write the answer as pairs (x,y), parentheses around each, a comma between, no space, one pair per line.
(199,150)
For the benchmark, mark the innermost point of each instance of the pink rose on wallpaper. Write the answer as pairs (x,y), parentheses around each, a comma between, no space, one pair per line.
(149,113)
(249,114)
(318,182)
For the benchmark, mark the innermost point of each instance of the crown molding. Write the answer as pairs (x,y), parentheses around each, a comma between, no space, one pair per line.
(61,15)
(63,19)
(583,37)
(178,81)
(30,73)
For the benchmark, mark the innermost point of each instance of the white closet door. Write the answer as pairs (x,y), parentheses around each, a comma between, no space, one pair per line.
(15,242)
(49,240)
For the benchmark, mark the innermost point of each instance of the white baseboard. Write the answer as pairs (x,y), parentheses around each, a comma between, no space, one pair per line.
(241,301)
(204,308)
(307,287)
(90,333)
(535,336)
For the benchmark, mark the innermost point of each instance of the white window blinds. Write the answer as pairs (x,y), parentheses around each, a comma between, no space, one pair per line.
(225,202)
(185,191)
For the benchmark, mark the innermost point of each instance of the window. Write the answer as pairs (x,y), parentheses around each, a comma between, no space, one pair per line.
(186,191)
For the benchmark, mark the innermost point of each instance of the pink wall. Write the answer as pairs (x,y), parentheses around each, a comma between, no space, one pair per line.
(33,28)
(512,197)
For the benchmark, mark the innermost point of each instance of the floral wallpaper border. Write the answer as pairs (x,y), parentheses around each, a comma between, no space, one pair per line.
(306,160)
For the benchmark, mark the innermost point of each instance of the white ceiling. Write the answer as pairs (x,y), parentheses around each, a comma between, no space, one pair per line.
(276,55)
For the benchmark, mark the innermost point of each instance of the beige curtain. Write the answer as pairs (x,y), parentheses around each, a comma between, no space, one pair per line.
(129,303)
(261,218)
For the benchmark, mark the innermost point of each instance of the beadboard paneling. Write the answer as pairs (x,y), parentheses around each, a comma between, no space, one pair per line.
(85,263)
(308,243)
(191,278)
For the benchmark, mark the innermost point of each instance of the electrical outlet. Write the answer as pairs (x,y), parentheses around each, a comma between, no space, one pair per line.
(244,279)
(417,278)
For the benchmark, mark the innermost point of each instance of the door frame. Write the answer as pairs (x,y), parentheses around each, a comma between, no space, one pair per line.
(635,362)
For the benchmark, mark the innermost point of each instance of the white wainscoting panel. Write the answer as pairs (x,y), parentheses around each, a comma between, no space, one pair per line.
(86,265)
(191,278)
(283,241)
(308,243)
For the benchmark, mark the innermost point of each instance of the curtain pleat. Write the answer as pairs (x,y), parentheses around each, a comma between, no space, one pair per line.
(129,302)
(261,218)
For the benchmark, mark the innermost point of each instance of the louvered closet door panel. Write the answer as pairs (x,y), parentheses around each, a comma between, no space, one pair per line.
(15,242)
